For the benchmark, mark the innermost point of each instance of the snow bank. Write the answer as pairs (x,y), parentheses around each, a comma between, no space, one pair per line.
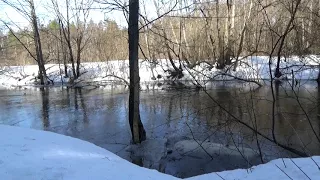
(251,68)
(300,168)
(32,154)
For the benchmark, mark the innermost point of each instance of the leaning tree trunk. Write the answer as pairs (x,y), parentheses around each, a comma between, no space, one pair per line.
(37,42)
(63,50)
(137,130)
(67,36)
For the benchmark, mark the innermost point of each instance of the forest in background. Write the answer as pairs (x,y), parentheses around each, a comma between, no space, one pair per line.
(218,33)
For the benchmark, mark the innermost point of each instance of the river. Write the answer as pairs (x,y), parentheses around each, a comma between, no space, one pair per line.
(174,118)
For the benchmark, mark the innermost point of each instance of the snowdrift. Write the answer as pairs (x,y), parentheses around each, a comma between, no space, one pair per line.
(33,154)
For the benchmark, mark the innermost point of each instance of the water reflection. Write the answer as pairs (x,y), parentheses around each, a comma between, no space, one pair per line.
(78,96)
(45,107)
(100,116)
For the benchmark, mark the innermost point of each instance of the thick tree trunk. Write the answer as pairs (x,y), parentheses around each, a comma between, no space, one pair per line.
(72,60)
(137,129)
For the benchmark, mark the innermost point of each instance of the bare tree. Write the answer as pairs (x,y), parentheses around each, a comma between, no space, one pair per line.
(27,8)
(79,12)
(293,7)
(137,129)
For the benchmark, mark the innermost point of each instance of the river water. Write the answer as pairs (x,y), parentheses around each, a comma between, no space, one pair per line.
(177,121)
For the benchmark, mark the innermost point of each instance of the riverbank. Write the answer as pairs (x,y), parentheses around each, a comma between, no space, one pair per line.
(254,68)
(33,154)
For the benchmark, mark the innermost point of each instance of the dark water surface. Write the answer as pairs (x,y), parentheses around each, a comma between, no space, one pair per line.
(173,116)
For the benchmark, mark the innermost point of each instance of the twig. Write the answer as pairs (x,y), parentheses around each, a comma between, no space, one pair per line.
(300,169)
(242,155)
(297,152)
(219,176)
(198,142)
(306,114)
(237,78)
(284,172)
(315,162)
(284,163)
(125,81)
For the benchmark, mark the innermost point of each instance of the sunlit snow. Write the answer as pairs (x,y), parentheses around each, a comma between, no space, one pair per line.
(33,154)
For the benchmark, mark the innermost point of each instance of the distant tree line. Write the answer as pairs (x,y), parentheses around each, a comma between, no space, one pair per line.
(218,33)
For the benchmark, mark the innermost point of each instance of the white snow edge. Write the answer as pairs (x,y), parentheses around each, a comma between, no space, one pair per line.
(251,68)
(33,154)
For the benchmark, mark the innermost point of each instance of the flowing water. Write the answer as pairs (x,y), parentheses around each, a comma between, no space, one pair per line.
(190,132)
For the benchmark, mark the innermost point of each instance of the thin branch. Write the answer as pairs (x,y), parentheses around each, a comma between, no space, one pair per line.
(283,172)
(199,143)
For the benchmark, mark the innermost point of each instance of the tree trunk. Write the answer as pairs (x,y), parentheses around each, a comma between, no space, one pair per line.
(177,72)
(63,49)
(242,35)
(68,39)
(37,42)
(221,59)
(229,30)
(78,57)
(287,30)
(137,129)
(318,79)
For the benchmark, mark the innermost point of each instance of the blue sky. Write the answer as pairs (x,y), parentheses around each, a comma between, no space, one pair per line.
(45,13)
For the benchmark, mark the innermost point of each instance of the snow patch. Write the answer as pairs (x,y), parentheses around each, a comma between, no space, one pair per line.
(151,150)
(187,146)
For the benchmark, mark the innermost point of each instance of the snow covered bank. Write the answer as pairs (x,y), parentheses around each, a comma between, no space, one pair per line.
(296,169)
(32,154)
(252,68)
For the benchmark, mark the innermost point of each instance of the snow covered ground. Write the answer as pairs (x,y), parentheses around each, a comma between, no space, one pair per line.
(32,154)
(253,68)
